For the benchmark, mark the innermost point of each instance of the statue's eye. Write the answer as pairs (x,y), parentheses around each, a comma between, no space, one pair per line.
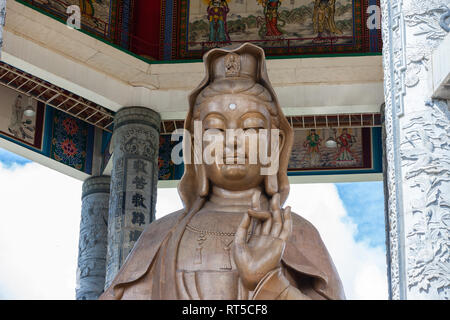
(253,123)
(214,122)
(216,130)
(256,129)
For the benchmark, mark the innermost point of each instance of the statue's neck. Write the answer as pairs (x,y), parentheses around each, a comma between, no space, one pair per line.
(233,201)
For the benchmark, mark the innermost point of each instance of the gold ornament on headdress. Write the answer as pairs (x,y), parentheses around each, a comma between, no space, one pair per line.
(232,65)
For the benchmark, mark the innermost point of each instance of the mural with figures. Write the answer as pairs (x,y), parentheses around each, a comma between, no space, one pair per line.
(331,149)
(301,25)
(96,15)
(21,118)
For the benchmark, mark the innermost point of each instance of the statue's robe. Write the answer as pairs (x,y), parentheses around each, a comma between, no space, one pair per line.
(150,270)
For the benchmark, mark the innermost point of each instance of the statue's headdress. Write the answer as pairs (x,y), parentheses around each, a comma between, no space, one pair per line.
(234,70)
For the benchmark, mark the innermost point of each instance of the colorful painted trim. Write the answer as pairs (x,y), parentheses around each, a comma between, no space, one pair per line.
(72,141)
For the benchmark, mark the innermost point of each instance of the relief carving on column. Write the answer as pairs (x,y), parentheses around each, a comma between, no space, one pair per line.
(416,149)
(93,238)
(139,142)
(94,235)
(425,152)
(425,18)
(393,37)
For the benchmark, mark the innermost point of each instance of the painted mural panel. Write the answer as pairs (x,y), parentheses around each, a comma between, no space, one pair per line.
(72,141)
(342,151)
(331,149)
(167,169)
(280,26)
(97,16)
(21,118)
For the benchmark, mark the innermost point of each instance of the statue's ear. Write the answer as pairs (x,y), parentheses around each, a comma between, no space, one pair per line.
(282,141)
(202,180)
(200,171)
(271,181)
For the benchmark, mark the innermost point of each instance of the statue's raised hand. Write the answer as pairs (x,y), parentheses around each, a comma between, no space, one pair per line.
(261,253)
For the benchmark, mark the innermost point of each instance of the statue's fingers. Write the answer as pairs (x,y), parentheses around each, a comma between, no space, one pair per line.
(276,229)
(260,215)
(256,204)
(241,233)
(266,227)
(287,225)
(258,228)
(276,215)
(275,201)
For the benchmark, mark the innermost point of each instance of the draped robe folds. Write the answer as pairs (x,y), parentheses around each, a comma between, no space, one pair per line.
(150,270)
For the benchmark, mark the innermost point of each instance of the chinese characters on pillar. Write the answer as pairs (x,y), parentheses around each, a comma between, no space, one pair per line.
(137,203)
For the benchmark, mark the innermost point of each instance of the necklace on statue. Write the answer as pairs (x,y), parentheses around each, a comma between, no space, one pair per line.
(202,237)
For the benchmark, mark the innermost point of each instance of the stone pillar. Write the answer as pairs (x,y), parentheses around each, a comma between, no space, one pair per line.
(134,181)
(417,151)
(93,238)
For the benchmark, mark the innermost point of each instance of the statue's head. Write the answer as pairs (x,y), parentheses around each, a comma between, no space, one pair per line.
(236,98)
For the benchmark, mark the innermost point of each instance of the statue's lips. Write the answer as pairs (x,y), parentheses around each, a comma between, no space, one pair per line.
(234,171)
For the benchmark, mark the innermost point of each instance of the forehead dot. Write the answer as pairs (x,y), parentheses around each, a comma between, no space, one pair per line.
(232,106)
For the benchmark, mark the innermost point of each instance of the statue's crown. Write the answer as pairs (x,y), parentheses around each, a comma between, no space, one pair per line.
(234,65)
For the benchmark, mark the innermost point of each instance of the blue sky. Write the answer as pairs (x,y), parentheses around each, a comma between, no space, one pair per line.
(9,158)
(364,202)
(350,222)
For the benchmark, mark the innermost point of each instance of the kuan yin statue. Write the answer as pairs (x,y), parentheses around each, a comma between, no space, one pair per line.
(233,239)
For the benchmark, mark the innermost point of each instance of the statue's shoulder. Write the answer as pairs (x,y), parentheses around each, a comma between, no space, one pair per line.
(155,232)
(165,223)
(302,226)
(169,218)
(306,252)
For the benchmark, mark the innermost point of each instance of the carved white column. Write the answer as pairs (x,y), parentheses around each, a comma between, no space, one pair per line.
(133,182)
(93,238)
(417,151)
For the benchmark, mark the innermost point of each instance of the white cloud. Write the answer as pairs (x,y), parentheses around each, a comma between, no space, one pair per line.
(362,268)
(168,201)
(40,218)
(39,229)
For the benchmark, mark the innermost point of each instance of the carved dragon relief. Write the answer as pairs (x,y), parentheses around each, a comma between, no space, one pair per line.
(424,17)
(424,153)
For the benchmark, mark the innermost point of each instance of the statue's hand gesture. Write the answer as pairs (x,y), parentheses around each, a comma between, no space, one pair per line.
(261,253)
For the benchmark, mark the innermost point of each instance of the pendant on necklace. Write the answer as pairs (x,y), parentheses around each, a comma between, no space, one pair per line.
(226,261)
(198,251)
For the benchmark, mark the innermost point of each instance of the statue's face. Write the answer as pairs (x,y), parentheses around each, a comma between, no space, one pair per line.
(225,112)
